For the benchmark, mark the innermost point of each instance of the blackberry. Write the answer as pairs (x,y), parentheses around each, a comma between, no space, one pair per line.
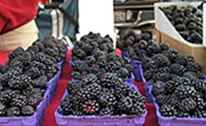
(181,59)
(2,109)
(142,44)
(107,99)
(73,87)
(171,53)
(7,95)
(191,75)
(177,69)
(33,72)
(193,67)
(187,104)
(159,88)
(90,78)
(13,111)
(162,77)
(123,73)
(34,99)
(184,91)
(137,108)
(94,89)
(27,110)
(168,110)
(41,82)
(125,104)
(17,52)
(161,60)
(163,69)
(66,105)
(19,100)
(84,94)
(200,85)
(152,49)
(170,86)
(148,74)
(164,47)
(90,59)
(108,111)
(91,107)
(20,82)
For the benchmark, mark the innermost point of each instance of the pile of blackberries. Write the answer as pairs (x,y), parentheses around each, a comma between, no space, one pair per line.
(23,81)
(98,87)
(188,22)
(177,79)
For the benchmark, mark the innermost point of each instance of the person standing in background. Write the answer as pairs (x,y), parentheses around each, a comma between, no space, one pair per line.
(17,25)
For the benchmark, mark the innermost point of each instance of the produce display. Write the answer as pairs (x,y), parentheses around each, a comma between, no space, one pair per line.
(98,87)
(177,80)
(187,20)
(23,81)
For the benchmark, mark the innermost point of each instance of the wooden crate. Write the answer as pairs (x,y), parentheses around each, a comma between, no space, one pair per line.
(197,51)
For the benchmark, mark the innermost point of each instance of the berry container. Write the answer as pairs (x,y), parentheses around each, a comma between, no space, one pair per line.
(175,121)
(36,118)
(123,120)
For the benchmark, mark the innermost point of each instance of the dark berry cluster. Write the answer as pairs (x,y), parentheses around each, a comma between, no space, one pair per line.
(98,87)
(177,79)
(23,81)
(187,20)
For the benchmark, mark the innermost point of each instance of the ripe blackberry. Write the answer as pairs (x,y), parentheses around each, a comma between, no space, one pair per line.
(33,72)
(193,67)
(171,54)
(137,108)
(13,111)
(177,69)
(84,94)
(170,86)
(123,73)
(184,91)
(160,60)
(125,104)
(34,100)
(17,52)
(66,105)
(152,49)
(168,110)
(159,88)
(107,99)
(142,44)
(164,47)
(20,82)
(162,77)
(181,59)
(108,111)
(7,95)
(200,85)
(148,74)
(191,75)
(73,87)
(91,107)
(27,110)
(163,69)
(19,100)
(94,89)
(2,109)
(90,78)
(41,82)
(187,104)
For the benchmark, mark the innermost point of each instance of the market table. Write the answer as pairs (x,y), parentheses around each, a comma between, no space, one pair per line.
(49,117)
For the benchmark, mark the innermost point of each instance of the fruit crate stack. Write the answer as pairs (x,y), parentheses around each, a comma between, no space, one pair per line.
(28,82)
(180,24)
(99,92)
(175,82)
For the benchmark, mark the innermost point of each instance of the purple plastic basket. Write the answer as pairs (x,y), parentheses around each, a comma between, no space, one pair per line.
(176,121)
(100,120)
(37,117)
